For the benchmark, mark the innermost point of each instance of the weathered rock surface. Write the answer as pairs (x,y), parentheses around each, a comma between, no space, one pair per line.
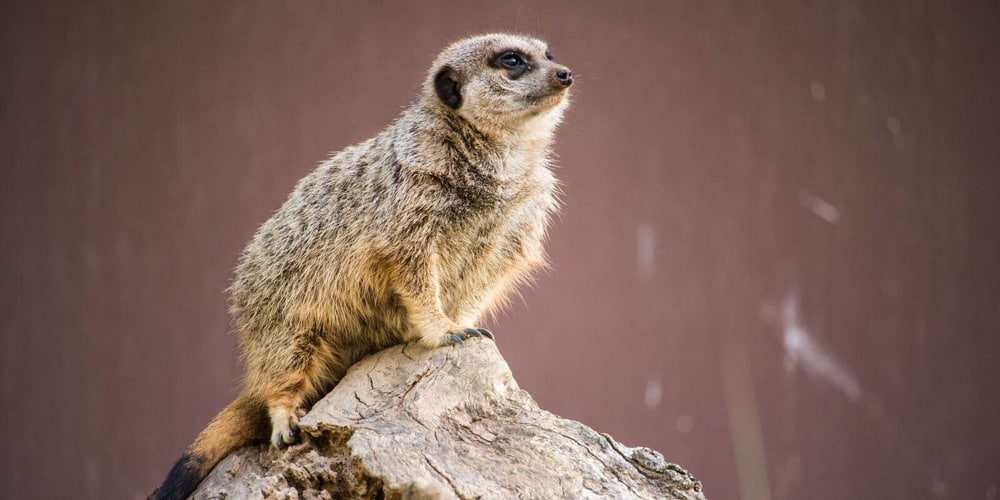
(408,423)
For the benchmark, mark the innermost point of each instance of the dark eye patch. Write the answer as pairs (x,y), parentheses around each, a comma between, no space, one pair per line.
(515,62)
(549,56)
(511,60)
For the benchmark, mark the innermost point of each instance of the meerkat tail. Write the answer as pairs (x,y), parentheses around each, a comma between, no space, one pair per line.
(242,422)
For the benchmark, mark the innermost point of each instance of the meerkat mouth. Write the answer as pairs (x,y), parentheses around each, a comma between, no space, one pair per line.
(545,100)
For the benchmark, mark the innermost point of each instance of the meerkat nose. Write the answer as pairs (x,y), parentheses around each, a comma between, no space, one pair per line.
(564,76)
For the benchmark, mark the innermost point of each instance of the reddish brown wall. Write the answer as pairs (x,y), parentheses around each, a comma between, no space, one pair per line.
(720,160)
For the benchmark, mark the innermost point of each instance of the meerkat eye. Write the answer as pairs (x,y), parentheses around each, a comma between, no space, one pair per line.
(511,60)
(549,56)
(514,62)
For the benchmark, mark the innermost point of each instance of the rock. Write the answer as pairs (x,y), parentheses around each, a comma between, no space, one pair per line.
(410,423)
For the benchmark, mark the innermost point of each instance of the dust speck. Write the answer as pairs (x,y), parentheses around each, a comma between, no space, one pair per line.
(818,91)
(654,392)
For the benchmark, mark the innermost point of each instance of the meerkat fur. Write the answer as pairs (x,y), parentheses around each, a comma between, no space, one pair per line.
(411,236)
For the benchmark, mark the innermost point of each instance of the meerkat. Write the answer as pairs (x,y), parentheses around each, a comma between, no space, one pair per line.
(410,236)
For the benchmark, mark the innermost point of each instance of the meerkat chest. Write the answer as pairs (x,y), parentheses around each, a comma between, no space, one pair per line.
(506,239)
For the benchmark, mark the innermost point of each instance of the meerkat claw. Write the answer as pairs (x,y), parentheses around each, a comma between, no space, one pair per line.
(472,332)
(462,336)
(285,437)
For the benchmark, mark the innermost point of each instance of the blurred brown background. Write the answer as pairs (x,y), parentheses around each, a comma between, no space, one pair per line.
(778,262)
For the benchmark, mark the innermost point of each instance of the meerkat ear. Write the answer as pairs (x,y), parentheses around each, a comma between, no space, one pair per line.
(447,87)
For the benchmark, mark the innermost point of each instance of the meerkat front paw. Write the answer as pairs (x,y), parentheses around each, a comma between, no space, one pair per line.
(460,336)
(454,335)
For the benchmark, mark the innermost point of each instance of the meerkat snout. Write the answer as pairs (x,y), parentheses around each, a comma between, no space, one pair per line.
(563,76)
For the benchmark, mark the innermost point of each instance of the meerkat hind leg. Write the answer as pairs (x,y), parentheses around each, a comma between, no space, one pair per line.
(285,420)
(286,404)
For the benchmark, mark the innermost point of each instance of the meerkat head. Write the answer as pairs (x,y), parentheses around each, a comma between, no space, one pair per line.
(501,82)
